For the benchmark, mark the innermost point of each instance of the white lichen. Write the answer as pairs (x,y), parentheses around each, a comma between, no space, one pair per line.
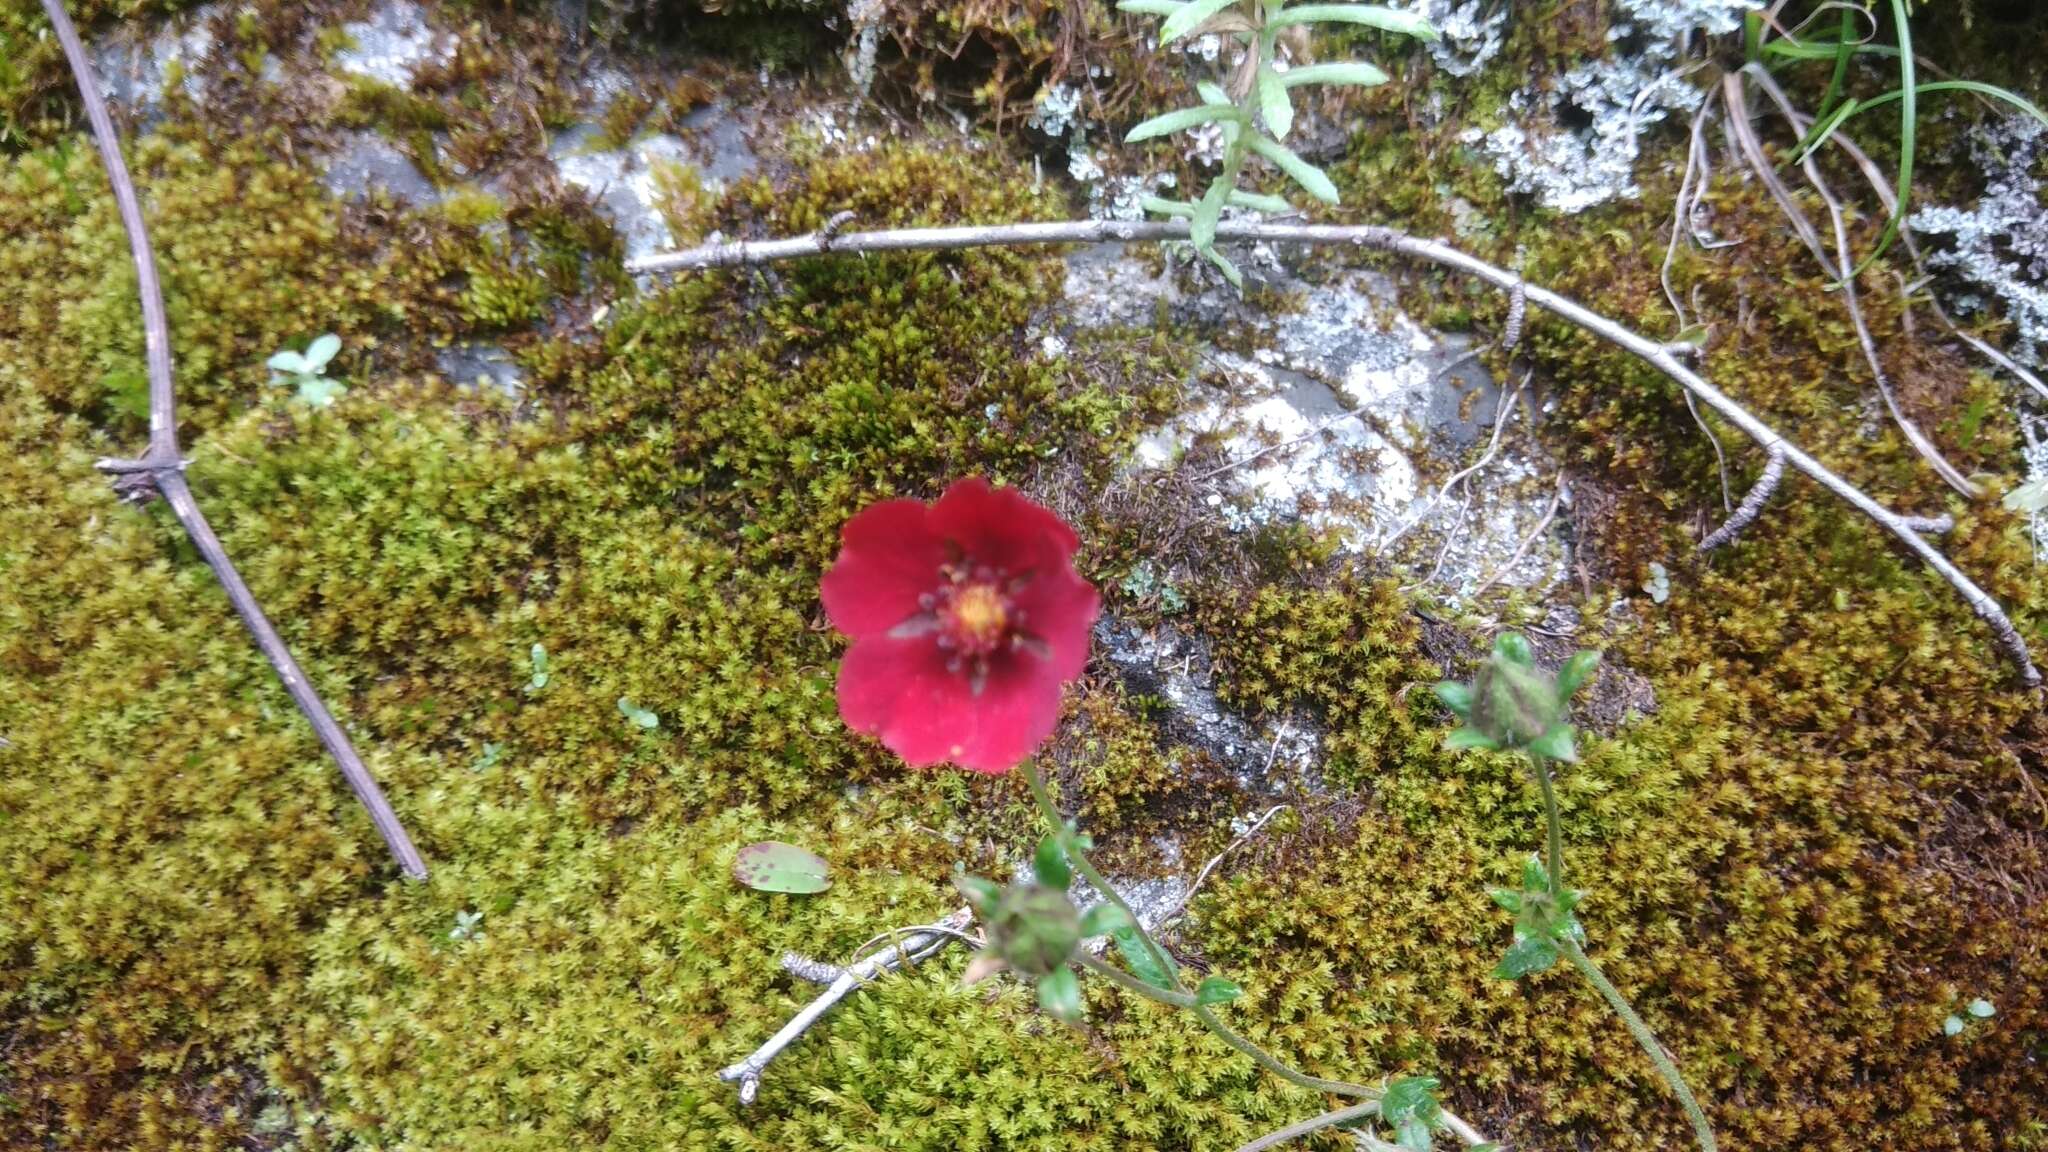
(1469,32)
(2001,244)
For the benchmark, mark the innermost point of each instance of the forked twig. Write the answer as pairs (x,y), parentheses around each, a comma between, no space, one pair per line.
(1393,241)
(163,468)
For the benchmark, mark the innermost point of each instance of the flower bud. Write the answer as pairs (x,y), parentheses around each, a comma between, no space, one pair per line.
(1513,704)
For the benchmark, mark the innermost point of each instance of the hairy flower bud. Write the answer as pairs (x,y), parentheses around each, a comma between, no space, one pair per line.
(1033,928)
(1512,703)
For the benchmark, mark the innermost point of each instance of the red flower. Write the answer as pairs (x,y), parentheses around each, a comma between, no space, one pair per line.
(966,617)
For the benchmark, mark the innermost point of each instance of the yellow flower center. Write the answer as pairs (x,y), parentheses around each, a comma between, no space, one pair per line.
(977,617)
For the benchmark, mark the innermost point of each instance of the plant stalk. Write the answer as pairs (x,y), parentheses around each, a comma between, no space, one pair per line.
(1666,1067)
(1553,824)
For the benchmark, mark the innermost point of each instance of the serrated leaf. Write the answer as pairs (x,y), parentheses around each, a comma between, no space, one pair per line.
(1059,994)
(1556,743)
(1456,696)
(1049,865)
(1273,104)
(1311,178)
(639,716)
(1367,15)
(1352,72)
(1188,16)
(1180,121)
(1139,959)
(321,351)
(1462,738)
(1527,957)
(772,866)
(1217,990)
(1103,919)
(1576,672)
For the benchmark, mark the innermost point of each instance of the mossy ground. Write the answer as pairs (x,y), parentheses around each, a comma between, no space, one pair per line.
(1824,838)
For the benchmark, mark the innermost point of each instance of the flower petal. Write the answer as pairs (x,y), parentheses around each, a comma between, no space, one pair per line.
(1000,527)
(888,558)
(902,692)
(1059,610)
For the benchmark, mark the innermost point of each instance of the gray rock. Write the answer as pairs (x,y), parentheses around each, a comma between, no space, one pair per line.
(394,41)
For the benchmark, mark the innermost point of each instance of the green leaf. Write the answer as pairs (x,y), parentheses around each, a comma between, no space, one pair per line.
(1178,208)
(290,363)
(1411,1098)
(1463,738)
(1050,864)
(1202,229)
(1507,898)
(1575,673)
(1259,201)
(1224,266)
(321,351)
(772,866)
(1139,959)
(1412,1136)
(1982,1009)
(1212,93)
(1059,994)
(1104,919)
(1217,990)
(319,391)
(1456,696)
(539,656)
(1181,121)
(2028,498)
(1694,335)
(1385,19)
(1150,7)
(641,717)
(1311,178)
(1952,1026)
(1530,955)
(1659,583)
(1188,17)
(1273,105)
(1556,743)
(1346,72)
(1513,647)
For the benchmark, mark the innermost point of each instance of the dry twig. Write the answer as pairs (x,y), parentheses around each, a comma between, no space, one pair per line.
(163,468)
(1395,242)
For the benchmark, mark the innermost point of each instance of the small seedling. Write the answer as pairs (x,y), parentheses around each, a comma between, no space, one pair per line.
(539,660)
(1659,583)
(640,717)
(466,923)
(308,371)
(1975,1010)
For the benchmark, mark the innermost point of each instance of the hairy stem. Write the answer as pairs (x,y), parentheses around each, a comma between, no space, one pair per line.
(1666,1067)
(1553,825)
(1311,1125)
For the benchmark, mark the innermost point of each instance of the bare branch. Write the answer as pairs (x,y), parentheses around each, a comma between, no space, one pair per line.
(1395,242)
(1514,558)
(915,944)
(1201,877)
(162,467)
(1752,505)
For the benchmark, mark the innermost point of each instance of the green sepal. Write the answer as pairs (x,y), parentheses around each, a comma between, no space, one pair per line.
(1059,995)
(1575,673)
(1470,738)
(1456,696)
(1507,898)
(1556,743)
(980,892)
(1514,648)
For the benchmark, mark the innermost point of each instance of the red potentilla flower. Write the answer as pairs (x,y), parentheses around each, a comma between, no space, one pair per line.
(966,617)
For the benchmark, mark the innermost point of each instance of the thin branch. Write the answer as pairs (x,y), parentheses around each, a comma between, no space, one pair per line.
(1752,505)
(1395,242)
(1505,405)
(1181,904)
(1850,295)
(916,944)
(162,466)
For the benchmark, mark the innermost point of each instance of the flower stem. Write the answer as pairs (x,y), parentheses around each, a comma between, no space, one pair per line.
(1648,1039)
(1553,823)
